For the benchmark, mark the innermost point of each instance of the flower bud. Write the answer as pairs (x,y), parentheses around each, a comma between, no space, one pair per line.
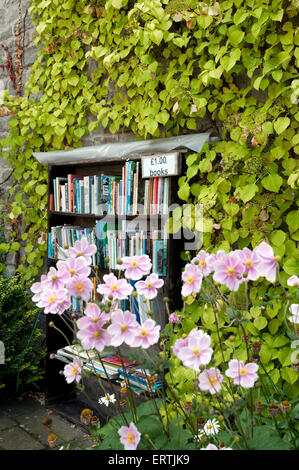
(119,262)
(52,439)
(285,406)
(273,410)
(134,294)
(106,260)
(51,324)
(277,258)
(66,247)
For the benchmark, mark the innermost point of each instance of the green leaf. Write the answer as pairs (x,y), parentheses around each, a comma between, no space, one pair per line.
(260,323)
(156,36)
(281,124)
(272,182)
(267,438)
(278,237)
(247,192)
(184,192)
(293,220)
(291,266)
(41,189)
(289,375)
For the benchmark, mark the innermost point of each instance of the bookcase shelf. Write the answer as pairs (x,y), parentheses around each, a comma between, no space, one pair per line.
(56,388)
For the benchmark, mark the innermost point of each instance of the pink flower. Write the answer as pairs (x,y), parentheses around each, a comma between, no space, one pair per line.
(215,257)
(74,267)
(50,300)
(123,327)
(80,287)
(94,336)
(72,372)
(64,305)
(173,318)
(243,374)
(213,447)
(146,335)
(82,248)
(250,262)
(118,288)
(136,266)
(129,436)
(197,351)
(149,287)
(211,380)
(202,261)
(55,280)
(192,278)
(93,315)
(268,262)
(183,342)
(294,309)
(229,271)
(293,281)
(37,289)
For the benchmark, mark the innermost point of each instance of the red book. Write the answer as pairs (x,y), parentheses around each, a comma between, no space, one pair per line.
(117,361)
(51,202)
(155,195)
(70,181)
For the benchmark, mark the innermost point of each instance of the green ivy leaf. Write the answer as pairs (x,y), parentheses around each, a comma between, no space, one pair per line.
(281,124)
(272,182)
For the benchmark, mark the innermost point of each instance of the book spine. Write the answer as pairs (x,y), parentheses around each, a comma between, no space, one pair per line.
(86,194)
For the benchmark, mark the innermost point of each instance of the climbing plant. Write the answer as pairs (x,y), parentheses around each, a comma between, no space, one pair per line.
(160,68)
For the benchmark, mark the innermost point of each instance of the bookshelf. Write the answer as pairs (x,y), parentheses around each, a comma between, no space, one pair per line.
(56,388)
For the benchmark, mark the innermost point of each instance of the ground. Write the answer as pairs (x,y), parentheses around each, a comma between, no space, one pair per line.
(21,426)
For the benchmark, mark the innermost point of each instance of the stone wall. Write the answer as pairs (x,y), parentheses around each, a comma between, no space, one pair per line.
(9,15)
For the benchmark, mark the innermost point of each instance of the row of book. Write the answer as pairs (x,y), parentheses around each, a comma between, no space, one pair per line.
(112,366)
(63,236)
(130,241)
(112,243)
(113,195)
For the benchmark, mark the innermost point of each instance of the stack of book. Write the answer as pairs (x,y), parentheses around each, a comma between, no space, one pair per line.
(142,379)
(106,365)
(114,195)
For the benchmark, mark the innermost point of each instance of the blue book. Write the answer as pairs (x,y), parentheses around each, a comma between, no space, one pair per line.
(158,257)
(90,193)
(77,208)
(128,187)
(134,302)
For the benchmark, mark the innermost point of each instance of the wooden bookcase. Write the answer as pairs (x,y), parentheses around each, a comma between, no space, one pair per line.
(57,390)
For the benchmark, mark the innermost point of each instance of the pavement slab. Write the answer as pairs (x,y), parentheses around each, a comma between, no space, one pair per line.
(22,428)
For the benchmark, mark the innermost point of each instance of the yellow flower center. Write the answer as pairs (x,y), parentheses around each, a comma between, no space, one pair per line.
(123,327)
(133,264)
(149,286)
(79,254)
(143,333)
(130,438)
(51,299)
(196,352)
(209,426)
(213,380)
(114,287)
(190,279)
(230,271)
(202,263)
(73,272)
(243,371)
(95,320)
(54,278)
(75,370)
(79,287)
(97,334)
(249,263)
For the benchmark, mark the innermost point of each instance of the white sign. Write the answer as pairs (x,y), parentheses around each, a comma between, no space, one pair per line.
(166,164)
